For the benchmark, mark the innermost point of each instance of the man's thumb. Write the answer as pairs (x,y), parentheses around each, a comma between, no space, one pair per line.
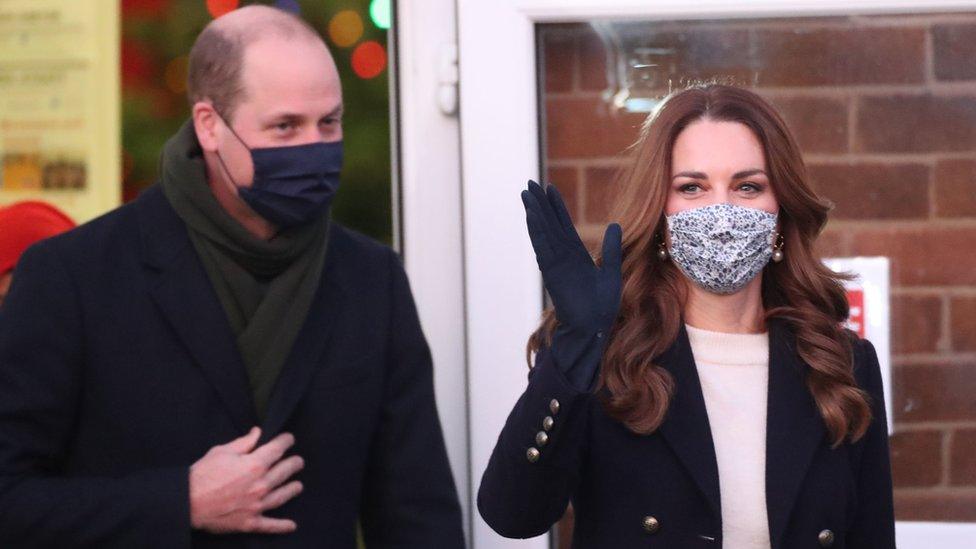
(246,443)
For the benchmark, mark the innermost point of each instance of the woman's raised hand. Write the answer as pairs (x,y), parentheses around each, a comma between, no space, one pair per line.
(586,296)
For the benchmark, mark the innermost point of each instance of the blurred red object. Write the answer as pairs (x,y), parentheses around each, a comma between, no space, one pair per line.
(138,65)
(221,7)
(150,9)
(25,223)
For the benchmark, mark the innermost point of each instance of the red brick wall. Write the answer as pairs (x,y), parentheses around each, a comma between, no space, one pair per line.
(885,111)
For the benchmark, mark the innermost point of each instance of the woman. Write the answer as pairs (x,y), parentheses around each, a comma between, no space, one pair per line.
(695,387)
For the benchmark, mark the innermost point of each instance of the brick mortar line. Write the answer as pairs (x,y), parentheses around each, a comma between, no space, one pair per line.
(576,75)
(941,88)
(933,196)
(582,163)
(933,291)
(811,159)
(916,426)
(933,360)
(945,342)
(847,242)
(839,22)
(928,56)
(928,68)
(937,490)
(896,226)
(946,457)
(930,158)
(912,20)
(580,194)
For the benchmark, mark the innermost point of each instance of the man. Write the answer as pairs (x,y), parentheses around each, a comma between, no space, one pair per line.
(23,224)
(218,364)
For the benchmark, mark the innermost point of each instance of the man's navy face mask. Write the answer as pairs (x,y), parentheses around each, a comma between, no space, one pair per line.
(292,185)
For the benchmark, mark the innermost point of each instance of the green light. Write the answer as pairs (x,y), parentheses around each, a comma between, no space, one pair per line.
(379,12)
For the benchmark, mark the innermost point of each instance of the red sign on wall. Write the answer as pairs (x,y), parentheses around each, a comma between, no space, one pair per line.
(855,298)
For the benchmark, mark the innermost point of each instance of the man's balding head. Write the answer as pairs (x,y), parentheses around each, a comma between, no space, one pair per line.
(259,78)
(217,58)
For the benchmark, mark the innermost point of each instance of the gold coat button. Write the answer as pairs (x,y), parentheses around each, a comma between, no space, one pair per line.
(547,423)
(554,406)
(532,454)
(826,538)
(541,438)
(651,524)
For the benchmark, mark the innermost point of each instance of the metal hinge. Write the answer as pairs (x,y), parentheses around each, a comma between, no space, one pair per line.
(447,79)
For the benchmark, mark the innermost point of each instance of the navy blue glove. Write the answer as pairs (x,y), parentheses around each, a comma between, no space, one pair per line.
(586,297)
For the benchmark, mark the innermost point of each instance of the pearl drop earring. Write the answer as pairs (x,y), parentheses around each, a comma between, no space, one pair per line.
(778,248)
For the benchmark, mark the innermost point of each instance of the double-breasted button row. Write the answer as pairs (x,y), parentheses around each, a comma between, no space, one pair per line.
(542,437)
(826,538)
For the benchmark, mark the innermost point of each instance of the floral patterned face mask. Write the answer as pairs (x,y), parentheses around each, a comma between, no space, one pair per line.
(723,246)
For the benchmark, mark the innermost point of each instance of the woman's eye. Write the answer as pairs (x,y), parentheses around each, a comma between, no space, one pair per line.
(750,187)
(283,126)
(689,188)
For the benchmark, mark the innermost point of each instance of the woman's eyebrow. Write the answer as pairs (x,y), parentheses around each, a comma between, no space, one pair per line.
(748,173)
(692,175)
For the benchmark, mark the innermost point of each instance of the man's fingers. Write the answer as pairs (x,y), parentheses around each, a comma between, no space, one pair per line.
(271,452)
(283,470)
(267,525)
(246,443)
(281,496)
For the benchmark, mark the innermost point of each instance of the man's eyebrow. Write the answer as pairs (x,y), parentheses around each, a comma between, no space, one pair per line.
(285,116)
(296,116)
(337,110)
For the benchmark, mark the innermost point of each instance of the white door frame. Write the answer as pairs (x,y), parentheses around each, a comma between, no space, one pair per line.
(500,151)
(427,201)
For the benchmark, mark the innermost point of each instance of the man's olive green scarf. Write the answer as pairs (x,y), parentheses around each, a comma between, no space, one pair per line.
(266,287)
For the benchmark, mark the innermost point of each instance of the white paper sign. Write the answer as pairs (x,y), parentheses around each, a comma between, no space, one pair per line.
(870,316)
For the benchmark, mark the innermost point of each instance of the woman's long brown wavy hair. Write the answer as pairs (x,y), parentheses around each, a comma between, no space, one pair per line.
(800,290)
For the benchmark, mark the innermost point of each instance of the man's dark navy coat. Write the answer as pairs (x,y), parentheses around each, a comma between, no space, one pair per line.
(118,370)
(662,490)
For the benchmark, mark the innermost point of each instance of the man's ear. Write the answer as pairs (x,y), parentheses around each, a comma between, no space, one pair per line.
(205,123)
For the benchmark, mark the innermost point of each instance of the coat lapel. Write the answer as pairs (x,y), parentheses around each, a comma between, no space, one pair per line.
(794,428)
(686,427)
(184,295)
(312,341)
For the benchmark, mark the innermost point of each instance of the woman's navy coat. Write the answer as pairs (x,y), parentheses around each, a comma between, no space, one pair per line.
(662,490)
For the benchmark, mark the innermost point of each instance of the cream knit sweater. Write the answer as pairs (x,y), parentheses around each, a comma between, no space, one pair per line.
(734,374)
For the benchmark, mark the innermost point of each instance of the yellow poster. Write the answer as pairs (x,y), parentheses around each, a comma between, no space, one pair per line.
(59,104)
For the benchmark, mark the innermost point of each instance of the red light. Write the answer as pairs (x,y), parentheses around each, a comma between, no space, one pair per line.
(221,7)
(369,59)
